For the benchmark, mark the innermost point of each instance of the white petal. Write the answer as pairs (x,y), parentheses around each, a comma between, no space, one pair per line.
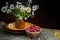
(4,9)
(32,13)
(8,11)
(20,18)
(20,6)
(11,6)
(18,3)
(25,18)
(17,6)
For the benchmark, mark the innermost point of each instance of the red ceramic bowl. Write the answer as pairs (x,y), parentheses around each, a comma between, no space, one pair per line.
(33,34)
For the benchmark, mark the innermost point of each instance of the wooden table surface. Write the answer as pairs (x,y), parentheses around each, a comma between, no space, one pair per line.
(46,33)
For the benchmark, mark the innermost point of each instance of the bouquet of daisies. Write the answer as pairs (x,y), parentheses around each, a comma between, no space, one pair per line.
(19,10)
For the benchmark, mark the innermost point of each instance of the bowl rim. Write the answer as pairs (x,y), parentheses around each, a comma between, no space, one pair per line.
(35,32)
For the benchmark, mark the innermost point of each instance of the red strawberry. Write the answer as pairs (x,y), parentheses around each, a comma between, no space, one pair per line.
(32,30)
(38,30)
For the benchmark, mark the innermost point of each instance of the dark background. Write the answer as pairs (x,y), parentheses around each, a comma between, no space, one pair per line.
(46,16)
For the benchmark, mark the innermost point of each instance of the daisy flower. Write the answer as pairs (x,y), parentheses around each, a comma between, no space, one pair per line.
(11,6)
(10,25)
(28,9)
(4,9)
(22,9)
(35,7)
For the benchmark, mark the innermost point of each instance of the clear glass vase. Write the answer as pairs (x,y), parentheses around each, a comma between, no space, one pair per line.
(20,23)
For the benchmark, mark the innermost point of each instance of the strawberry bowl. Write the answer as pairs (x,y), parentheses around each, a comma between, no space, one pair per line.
(33,31)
